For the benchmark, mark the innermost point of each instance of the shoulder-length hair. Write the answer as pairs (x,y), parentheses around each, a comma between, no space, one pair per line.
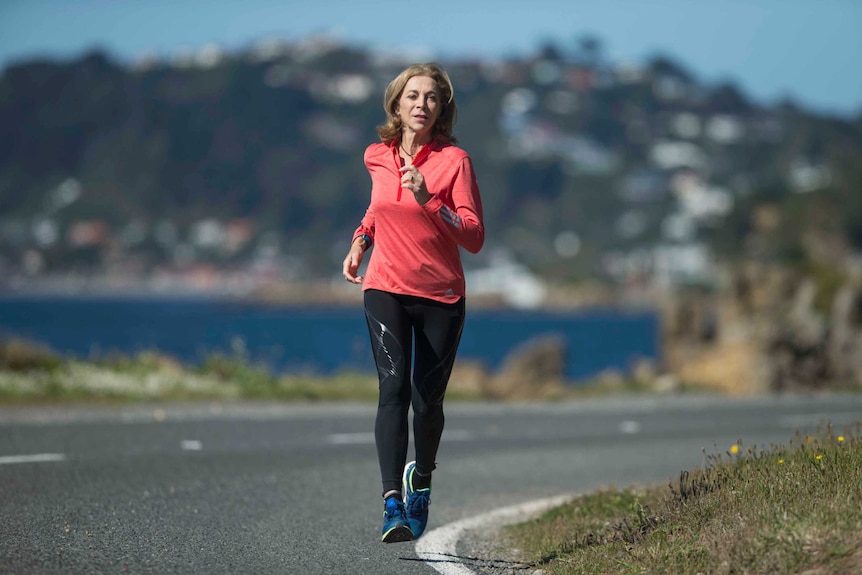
(442,129)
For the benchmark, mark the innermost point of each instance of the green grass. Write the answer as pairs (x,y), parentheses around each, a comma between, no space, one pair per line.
(786,509)
(30,373)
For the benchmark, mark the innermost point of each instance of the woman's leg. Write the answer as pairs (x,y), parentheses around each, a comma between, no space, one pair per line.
(391,342)
(437,329)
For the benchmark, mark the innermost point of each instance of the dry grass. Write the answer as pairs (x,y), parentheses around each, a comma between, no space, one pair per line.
(22,355)
(787,509)
(30,373)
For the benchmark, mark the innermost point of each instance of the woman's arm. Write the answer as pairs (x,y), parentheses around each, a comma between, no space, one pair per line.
(465,223)
(363,238)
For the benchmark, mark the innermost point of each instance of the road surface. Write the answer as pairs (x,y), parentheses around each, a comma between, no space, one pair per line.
(266,488)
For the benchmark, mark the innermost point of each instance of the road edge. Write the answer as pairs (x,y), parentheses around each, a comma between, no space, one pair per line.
(438,548)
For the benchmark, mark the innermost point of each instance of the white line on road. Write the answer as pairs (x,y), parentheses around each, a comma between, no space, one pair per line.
(630,427)
(191,445)
(35,458)
(439,547)
(368,438)
(457,435)
(351,438)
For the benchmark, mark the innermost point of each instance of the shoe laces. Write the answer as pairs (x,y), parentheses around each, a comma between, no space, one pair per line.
(395,511)
(419,501)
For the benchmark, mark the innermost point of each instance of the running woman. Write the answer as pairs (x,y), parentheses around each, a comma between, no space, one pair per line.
(425,205)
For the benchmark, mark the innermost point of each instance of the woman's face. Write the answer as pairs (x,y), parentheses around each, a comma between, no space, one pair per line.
(419,104)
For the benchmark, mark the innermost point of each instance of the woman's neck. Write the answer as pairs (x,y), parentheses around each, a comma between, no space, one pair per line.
(412,142)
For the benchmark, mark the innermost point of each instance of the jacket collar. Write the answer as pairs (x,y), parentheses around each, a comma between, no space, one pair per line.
(432,146)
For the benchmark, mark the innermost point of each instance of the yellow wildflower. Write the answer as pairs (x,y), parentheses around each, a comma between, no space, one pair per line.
(818,457)
(840,438)
(780,462)
(734,448)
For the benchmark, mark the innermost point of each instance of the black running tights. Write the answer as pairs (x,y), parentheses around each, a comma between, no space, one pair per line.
(393,321)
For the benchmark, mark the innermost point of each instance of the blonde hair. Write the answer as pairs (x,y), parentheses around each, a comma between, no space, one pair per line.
(442,129)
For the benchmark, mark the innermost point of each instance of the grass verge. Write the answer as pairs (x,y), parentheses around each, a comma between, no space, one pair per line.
(786,509)
(30,373)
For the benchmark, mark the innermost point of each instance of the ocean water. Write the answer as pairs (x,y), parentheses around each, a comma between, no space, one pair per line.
(316,339)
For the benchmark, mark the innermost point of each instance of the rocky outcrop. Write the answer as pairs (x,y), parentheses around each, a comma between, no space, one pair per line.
(533,370)
(814,350)
(770,330)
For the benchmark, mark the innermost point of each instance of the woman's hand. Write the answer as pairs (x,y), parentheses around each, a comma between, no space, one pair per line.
(413,180)
(352,261)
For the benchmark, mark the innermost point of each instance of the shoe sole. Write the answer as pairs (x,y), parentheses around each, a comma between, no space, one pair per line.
(398,534)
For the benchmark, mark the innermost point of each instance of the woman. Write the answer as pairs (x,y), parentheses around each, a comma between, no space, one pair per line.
(424,205)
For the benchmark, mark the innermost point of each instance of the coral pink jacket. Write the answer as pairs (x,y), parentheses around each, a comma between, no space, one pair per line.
(415,248)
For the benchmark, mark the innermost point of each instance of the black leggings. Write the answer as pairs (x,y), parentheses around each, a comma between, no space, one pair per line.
(393,320)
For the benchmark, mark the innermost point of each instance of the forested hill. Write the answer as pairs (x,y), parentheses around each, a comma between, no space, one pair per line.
(234,159)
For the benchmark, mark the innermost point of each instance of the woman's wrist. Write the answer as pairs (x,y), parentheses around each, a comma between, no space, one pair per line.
(363,241)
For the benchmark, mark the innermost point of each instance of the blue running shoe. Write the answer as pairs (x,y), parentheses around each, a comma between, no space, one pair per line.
(416,501)
(395,526)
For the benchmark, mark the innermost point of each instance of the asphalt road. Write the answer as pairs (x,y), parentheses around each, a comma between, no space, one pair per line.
(295,489)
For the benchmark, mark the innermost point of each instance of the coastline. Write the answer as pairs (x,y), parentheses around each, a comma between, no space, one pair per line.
(334,292)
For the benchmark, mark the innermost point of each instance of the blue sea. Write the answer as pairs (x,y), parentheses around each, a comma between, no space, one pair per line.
(312,339)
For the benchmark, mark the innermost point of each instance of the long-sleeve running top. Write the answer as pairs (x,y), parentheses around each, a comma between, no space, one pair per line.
(415,247)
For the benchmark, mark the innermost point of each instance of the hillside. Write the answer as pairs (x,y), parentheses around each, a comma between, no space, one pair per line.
(251,163)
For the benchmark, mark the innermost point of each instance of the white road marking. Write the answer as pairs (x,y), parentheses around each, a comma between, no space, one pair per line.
(191,445)
(368,437)
(438,548)
(351,438)
(458,435)
(630,427)
(35,458)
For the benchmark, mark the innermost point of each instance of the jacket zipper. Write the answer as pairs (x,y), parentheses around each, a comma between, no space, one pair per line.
(420,157)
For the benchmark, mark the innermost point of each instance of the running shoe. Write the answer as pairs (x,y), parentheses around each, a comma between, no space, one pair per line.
(416,502)
(395,526)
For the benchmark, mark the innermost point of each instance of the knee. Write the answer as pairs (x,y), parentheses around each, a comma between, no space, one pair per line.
(393,391)
(428,412)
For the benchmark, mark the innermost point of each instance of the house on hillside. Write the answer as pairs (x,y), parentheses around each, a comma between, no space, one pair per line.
(509,280)
(699,200)
(675,154)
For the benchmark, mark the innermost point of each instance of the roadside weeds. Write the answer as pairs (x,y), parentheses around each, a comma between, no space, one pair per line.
(784,509)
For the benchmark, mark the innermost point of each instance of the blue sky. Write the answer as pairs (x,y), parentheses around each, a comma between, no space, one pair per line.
(805,49)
